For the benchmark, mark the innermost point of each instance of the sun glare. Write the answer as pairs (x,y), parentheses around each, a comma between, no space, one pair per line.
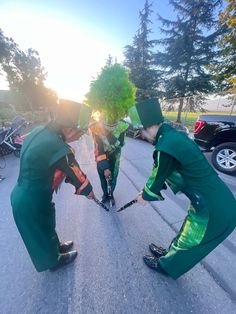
(96,115)
(71,54)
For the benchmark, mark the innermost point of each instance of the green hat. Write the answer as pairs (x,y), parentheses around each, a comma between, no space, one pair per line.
(72,114)
(146,113)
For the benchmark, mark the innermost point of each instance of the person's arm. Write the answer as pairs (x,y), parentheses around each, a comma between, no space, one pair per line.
(74,175)
(164,166)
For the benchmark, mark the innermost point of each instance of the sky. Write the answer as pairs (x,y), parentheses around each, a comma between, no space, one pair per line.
(74,38)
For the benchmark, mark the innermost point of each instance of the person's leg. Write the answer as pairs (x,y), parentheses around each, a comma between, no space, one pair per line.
(36,225)
(182,253)
(103,184)
(115,164)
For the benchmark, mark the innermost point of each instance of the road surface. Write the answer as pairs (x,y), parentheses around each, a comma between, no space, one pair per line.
(109,275)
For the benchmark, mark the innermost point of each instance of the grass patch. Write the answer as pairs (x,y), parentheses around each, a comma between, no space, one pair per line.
(188,119)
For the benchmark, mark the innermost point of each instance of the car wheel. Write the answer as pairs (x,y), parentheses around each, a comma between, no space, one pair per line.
(224,158)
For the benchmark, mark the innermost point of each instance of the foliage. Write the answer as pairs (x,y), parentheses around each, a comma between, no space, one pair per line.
(225,68)
(25,75)
(189,117)
(112,93)
(188,49)
(139,58)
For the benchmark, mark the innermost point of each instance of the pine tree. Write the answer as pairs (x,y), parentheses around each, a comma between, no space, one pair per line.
(188,49)
(225,68)
(139,58)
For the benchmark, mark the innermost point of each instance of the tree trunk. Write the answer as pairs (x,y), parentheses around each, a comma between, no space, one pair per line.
(233,104)
(181,103)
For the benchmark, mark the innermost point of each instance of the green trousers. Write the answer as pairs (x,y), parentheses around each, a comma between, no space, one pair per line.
(209,221)
(34,215)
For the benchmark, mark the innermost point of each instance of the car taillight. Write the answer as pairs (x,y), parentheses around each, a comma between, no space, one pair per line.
(198,125)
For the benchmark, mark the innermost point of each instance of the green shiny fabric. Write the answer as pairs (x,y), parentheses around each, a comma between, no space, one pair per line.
(212,213)
(31,198)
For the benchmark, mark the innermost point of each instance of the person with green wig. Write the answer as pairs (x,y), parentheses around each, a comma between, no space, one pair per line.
(179,162)
(112,94)
(108,142)
(46,160)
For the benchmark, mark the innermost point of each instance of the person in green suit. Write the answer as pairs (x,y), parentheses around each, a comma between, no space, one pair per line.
(179,162)
(46,159)
(108,142)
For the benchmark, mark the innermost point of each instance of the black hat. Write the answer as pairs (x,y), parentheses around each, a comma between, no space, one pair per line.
(149,112)
(146,113)
(72,114)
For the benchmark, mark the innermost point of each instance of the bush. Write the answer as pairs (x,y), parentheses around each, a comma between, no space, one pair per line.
(7,113)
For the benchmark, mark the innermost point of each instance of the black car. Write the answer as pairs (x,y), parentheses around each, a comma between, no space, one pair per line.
(132,131)
(217,133)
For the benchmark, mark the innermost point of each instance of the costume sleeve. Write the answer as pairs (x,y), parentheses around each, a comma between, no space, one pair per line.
(100,154)
(117,137)
(74,175)
(163,167)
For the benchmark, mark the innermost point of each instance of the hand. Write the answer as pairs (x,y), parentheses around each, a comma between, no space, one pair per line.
(107,173)
(140,199)
(91,195)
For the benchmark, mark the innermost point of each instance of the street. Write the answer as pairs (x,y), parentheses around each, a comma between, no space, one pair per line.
(109,275)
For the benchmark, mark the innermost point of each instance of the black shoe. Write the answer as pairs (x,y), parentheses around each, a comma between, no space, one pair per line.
(105,198)
(158,251)
(153,263)
(112,200)
(64,259)
(65,247)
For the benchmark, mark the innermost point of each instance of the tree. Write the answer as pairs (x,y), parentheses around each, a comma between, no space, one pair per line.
(112,93)
(139,58)
(188,49)
(25,75)
(7,49)
(110,60)
(225,68)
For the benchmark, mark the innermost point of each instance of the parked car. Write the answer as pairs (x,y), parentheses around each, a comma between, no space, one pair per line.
(217,133)
(132,131)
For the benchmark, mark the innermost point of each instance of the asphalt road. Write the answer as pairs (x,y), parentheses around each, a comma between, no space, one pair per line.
(109,275)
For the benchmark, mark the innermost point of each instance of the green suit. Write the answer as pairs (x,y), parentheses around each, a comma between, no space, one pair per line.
(212,212)
(45,160)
